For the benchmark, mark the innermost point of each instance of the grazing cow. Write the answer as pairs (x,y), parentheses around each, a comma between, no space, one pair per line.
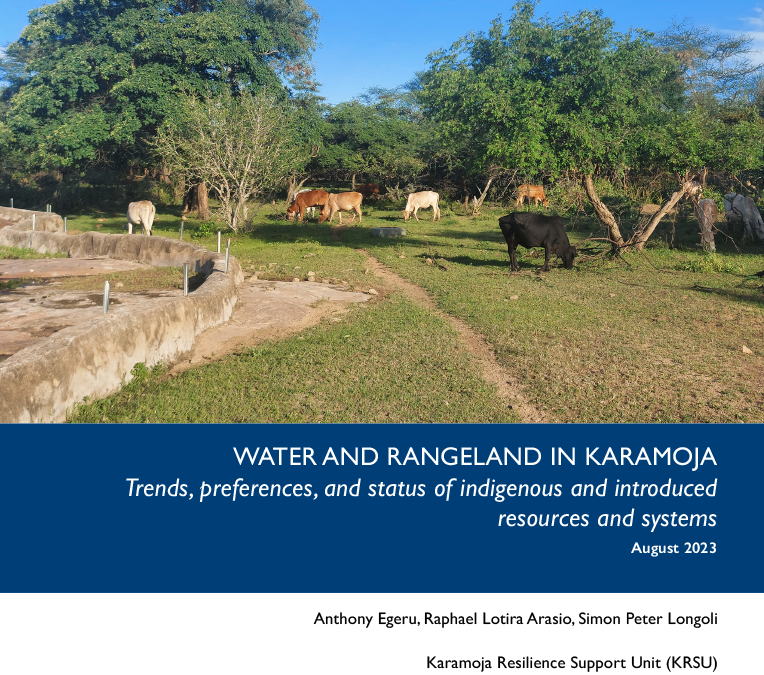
(368,189)
(533,229)
(343,201)
(140,213)
(535,192)
(305,200)
(706,213)
(422,200)
(310,211)
(741,209)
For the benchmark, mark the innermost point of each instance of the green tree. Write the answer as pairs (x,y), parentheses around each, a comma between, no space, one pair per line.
(379,136)
(102,75)
(572,96)
(242,146)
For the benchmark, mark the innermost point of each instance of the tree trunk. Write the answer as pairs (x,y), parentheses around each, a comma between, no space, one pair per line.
(603,212)
(640,238)
(203,201)
(197,199)
(477,203)
(352,183)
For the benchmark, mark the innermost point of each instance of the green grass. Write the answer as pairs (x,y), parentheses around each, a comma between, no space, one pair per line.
(389,362)
(10,253)
(656,337)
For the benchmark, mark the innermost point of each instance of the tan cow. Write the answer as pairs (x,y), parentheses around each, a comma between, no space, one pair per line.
(422,200)
(140,213)
(344,201)
(535,192)
(306,200)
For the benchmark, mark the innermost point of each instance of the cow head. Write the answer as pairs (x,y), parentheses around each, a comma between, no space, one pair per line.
(292,211)
(568,253)
(406,215)
(545,202)
(324,213)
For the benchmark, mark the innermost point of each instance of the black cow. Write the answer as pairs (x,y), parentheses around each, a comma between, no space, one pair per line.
(533,229)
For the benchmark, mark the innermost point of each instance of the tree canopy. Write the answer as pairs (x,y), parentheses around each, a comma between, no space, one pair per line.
(90,79)
(573,96)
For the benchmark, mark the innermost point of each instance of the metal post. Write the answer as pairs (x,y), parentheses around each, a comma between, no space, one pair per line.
(64,224)
(218,241)
(47,208)
(34,221)
(227,253)
(185,278)
(181,230)
(106,297)
(11,202)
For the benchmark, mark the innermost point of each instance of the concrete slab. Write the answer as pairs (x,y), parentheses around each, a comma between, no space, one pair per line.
(388,231)
(268,310)
(32,313)
(50,268)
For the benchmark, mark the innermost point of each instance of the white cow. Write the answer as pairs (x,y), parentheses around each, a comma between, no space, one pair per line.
(741,209)
(422,200)
(140,213)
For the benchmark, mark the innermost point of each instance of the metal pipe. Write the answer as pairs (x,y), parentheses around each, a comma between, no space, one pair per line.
(11,202)
(64,224)
(106,298)
(181,230)
(34,221)
(218,241)
(185,278)
(227,253)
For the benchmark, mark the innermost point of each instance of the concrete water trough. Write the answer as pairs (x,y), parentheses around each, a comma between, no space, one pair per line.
(61,348)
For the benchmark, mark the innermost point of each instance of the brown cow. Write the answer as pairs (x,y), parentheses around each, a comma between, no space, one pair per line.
(344,201)
(368,190)
(304,200)
(535,192)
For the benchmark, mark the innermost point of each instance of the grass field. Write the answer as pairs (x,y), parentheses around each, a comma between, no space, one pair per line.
(657,337)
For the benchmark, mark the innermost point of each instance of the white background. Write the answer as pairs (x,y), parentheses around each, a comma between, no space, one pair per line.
(275,633)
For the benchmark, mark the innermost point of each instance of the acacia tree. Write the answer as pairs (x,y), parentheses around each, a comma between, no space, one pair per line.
(573,96)
(92,79)
(242,146)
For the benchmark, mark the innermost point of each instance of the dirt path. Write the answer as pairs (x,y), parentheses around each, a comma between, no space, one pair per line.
(509,388)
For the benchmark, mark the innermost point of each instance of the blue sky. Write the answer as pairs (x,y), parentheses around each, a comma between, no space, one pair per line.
(385,43)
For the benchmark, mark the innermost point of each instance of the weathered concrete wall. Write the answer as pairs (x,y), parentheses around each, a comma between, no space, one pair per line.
(40,383)
(22,220)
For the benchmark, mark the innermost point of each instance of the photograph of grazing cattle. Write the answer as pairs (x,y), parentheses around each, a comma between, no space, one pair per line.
(534,192)
(368,189)
(344,201)
(307,199)
(422,200)
(140,213)
(532,230)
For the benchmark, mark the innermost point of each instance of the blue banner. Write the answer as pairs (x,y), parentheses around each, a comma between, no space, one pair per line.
(382,508)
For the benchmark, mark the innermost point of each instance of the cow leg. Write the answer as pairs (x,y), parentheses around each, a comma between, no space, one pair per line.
(415,216)
(360,215)
(547,256)
(512,248)
(340,212)
(129,227)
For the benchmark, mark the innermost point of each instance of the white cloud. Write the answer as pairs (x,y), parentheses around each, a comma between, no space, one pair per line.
(755,21)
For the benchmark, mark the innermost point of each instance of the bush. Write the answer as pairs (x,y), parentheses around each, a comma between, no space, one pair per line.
(708,263)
